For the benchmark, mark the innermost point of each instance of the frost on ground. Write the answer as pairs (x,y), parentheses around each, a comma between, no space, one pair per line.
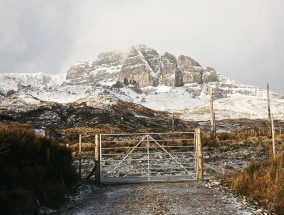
(160,198)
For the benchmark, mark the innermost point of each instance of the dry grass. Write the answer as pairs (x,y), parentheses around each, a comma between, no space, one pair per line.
(241,137)
(263,182)
(27,176)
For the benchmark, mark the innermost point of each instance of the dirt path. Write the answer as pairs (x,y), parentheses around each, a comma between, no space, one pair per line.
(158,198)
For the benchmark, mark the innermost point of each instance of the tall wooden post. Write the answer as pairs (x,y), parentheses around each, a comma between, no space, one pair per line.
(173,122)
(268,108)
(199,162)
(214,126)
(97,160)
(273,137)
(212,116)
(148,158)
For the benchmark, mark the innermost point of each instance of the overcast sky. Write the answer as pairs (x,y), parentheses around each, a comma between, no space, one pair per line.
(243,40)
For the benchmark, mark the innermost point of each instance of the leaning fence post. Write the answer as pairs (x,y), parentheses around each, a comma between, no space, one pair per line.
(97,160)
(199,162)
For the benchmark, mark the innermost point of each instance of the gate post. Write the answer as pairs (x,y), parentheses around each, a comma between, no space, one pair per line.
(97,160)
(199,161)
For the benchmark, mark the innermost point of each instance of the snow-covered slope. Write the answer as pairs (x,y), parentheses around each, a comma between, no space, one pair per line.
(179,100)
(142,76)
(236,108)
(25,81)
(20,102)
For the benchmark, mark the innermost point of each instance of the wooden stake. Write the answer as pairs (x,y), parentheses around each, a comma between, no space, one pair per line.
(80,143)
(199,162)
(273,137)
(97,160)
(212,116)
(173,122)
(214,126)
(268,108)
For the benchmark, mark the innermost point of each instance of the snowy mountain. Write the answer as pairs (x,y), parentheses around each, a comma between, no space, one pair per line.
(141,76)
(28,81)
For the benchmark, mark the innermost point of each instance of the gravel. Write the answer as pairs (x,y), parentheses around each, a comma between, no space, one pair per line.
(158,198)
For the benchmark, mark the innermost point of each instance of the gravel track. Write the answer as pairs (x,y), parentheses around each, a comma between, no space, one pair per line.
(159,198)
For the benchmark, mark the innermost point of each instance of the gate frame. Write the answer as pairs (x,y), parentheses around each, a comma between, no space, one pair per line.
(198,155)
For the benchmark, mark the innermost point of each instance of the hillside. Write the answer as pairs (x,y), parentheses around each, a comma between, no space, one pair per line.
(142,76)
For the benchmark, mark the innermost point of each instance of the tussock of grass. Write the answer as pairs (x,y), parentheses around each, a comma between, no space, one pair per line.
(27,179)
(263,182)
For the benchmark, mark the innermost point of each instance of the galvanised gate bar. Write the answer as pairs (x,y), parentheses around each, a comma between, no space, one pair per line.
(143,157)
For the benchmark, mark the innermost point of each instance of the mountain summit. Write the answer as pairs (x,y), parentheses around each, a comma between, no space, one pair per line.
(144,77)
(144,66)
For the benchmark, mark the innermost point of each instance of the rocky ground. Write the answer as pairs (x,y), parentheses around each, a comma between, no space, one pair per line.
(159,198)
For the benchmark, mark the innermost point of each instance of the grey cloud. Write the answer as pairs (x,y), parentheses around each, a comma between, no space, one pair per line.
(242,40)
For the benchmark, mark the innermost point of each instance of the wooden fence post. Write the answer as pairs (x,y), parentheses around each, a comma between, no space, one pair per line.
(97,160)
(199,162)
(212,116)
(173,122)
(269,110)
(273,137)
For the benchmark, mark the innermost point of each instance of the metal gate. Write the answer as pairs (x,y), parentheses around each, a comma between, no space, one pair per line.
(143,157)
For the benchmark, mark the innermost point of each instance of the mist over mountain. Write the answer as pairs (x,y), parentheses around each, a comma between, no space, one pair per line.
(140,75)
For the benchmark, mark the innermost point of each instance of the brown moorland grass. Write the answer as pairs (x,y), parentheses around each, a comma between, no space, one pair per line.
(27,178)
(263,182)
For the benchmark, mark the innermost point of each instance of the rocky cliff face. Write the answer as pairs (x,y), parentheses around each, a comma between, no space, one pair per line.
(143,65)
(126,73)
(105,68)
(140,66)
(78,74)
(190,69)
(168,68)
(141,76)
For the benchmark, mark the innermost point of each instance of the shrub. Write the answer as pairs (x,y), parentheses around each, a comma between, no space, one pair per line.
(27,177)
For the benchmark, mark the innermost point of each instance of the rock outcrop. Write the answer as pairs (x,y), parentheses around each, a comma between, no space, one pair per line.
(190,69)
(78,74)
(209,75)
(105,68)
(169,67)
(143,65)
(140,66)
